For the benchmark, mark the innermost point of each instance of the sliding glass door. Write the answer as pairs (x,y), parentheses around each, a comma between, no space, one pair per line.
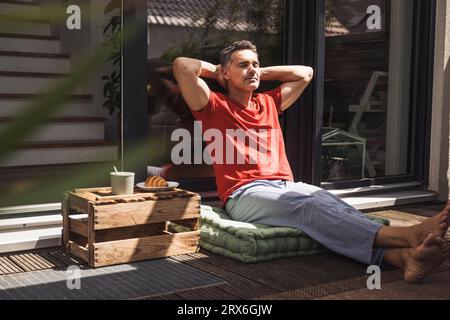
(370,123)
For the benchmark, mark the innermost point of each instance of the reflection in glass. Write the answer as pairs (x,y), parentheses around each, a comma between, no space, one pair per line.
(200,29)
(367,78)
(58,101)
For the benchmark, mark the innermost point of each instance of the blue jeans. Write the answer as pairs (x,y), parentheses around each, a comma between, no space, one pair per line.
(321,215)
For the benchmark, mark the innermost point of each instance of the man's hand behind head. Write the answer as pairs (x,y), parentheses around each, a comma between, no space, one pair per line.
(219,76)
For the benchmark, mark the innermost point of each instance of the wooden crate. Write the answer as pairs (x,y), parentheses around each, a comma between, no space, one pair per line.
(104,229)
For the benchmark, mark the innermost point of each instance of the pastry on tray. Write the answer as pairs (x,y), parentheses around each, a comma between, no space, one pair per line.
(156,181)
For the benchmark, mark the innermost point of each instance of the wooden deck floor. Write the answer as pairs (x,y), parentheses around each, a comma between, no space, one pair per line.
(326,276)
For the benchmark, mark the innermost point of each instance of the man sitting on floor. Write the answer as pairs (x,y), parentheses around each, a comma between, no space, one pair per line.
(261,189)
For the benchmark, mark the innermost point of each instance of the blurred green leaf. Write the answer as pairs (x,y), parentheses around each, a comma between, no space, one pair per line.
(82,177)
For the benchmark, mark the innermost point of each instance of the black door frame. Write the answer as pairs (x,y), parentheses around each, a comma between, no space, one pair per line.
(305,45)
(135,125)
(422,88)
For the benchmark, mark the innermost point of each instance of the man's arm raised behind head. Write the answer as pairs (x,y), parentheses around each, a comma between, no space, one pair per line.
(295,80)
(195,91)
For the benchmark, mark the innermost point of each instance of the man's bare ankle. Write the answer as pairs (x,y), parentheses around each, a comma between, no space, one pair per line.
(406,255)
(412,235)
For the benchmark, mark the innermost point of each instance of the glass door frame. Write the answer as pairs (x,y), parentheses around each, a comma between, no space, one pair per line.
(135,84)
(305,44)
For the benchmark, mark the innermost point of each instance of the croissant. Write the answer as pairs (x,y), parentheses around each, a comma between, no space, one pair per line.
(156,181)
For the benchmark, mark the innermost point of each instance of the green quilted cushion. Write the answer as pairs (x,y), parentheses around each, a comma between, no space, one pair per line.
(251,243)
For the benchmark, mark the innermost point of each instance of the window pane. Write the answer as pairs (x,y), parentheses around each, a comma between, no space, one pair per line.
(367,84)
(62,118)
(200,29)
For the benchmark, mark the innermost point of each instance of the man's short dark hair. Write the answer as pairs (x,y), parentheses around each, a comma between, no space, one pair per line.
(225,54)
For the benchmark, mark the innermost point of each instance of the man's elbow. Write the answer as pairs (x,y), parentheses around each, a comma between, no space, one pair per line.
(181,65)
(306,74)
(310,74)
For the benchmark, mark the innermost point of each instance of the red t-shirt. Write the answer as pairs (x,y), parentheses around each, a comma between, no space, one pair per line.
(252,147)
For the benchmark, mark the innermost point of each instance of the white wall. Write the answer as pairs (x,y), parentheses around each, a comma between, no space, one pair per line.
(440,157)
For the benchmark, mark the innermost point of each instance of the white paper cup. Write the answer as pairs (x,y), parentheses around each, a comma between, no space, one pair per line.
(122,182)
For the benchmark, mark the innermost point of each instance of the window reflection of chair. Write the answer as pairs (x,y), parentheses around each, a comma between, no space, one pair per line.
(334,137)
(365,106)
